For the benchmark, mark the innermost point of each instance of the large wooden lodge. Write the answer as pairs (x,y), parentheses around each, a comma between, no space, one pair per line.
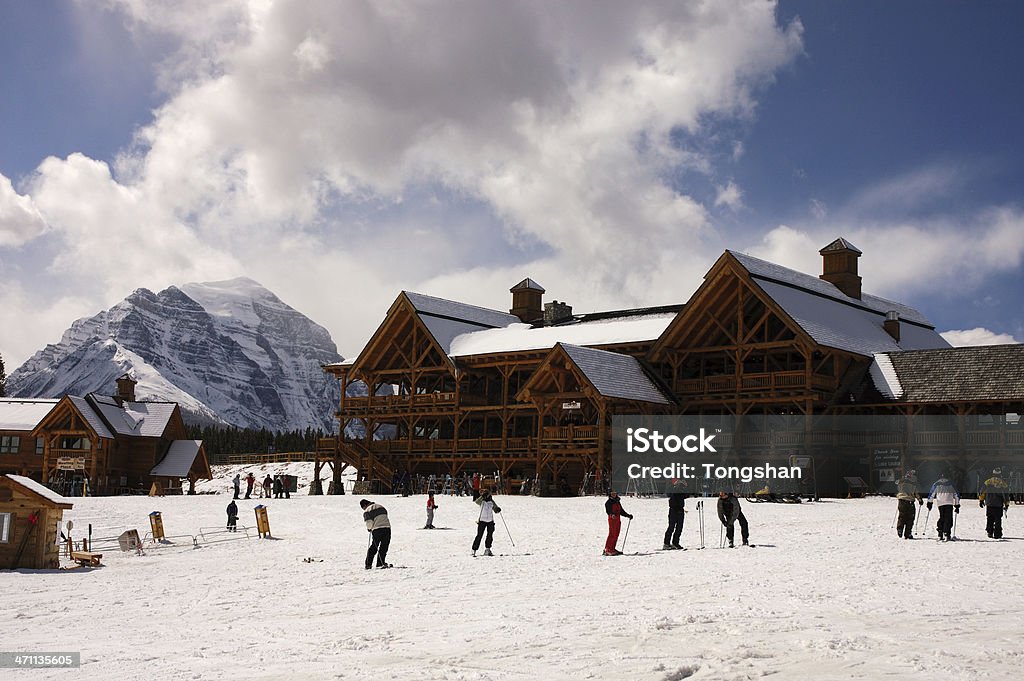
(454,388)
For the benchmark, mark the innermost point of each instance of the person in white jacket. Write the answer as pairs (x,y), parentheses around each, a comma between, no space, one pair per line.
(485,522)
(377,524)
(948,500)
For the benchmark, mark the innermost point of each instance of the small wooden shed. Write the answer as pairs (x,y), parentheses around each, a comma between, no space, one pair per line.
(30,520)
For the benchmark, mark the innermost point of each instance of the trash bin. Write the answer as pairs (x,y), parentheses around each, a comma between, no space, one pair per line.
(156,524)
(262,521)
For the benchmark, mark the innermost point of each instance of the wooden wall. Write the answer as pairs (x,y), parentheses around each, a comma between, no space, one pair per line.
(41,550)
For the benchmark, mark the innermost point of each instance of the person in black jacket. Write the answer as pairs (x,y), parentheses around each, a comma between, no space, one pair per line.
(676,515)
(377,524)
(614,510)
(232,516)
(729,512)
(995,500)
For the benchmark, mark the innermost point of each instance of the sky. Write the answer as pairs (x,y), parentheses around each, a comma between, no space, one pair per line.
(339,151)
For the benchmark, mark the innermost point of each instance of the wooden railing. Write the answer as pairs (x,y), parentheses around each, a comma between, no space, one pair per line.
(399,402)
(451,447)
(753,383)
(254,459)
(570,433)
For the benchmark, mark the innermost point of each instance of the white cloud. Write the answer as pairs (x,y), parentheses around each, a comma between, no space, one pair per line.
(292,131)
(977,336)
(20,220)
(730,196)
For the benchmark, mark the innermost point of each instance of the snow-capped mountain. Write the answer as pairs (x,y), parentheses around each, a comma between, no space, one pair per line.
(226,351)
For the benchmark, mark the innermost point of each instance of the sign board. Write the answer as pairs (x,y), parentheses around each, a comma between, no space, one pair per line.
(800,461)
(71,463)
(572,405)
(130,541)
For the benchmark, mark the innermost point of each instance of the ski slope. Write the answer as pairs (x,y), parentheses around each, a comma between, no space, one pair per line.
(829,592)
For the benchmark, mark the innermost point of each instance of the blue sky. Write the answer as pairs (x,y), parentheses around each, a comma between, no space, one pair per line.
(338,152)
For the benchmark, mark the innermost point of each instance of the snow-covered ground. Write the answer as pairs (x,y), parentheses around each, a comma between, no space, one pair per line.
(830,592)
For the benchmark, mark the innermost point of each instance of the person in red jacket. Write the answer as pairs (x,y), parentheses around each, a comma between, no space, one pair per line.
(431,505)
(614,510)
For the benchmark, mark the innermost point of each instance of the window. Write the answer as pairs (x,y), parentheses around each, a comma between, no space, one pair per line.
(74,443)
(39,446)
(9,444)
(5,527)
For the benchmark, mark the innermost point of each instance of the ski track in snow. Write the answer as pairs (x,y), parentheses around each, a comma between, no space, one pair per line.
(829,593)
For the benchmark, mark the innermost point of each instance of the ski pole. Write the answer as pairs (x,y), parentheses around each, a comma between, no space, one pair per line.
(721,536)
(894,519)
(954,524)
(626,536)
(926,517)
(502,516)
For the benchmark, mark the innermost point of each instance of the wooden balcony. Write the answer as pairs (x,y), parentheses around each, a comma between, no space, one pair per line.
(774,382)
(570,435)
(467,446)
(372,404)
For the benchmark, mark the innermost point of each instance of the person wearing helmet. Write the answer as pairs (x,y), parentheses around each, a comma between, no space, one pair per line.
(906,494)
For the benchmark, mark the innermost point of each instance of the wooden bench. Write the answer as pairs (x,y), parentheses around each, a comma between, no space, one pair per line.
(86,558)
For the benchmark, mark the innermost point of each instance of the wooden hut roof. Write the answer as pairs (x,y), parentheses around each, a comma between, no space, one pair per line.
(967,374)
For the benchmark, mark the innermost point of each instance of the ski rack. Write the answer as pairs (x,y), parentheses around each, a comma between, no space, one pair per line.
(206,532)
(641,487)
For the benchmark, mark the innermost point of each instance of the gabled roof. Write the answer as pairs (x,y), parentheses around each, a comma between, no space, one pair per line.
(140,419)
(40,490)
(179,460)
(833,319)
(447,319)
(527,284)
(966,374)
(23,414)
(91,416)
(615,375)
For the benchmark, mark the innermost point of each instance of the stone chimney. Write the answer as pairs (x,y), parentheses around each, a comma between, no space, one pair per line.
(126,388)
(839,266)
(527,296)
(555,312)
(892,324)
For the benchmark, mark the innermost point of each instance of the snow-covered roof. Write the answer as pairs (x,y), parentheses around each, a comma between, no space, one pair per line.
(516,337)
(615,374)
(836,320)
(40,489)
(448,319)
(89,414)
(966,374)
(141,419)
(179,459)
(762,269)
(23,414)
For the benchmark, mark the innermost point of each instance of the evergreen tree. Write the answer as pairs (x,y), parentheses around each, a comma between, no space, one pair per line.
(3,378)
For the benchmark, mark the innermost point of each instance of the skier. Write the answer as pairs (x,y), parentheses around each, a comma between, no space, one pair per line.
(232,516)
(268,484)
(377,524)
(237,481)
(431,505)
(946,496)
(994,500)
(485,522)
(729,512)
(676,516)
(906,493)
(277,486)
(614,510)
(250,481)
(476,486)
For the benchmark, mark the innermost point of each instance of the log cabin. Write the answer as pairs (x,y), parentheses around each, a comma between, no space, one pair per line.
(452,387)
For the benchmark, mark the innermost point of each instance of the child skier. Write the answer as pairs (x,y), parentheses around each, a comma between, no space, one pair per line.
(946,496)
(729,512)
(614,510)
(906,494)
(485,522)
(377,524)
(431,505)
(994,500)
(232,516)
